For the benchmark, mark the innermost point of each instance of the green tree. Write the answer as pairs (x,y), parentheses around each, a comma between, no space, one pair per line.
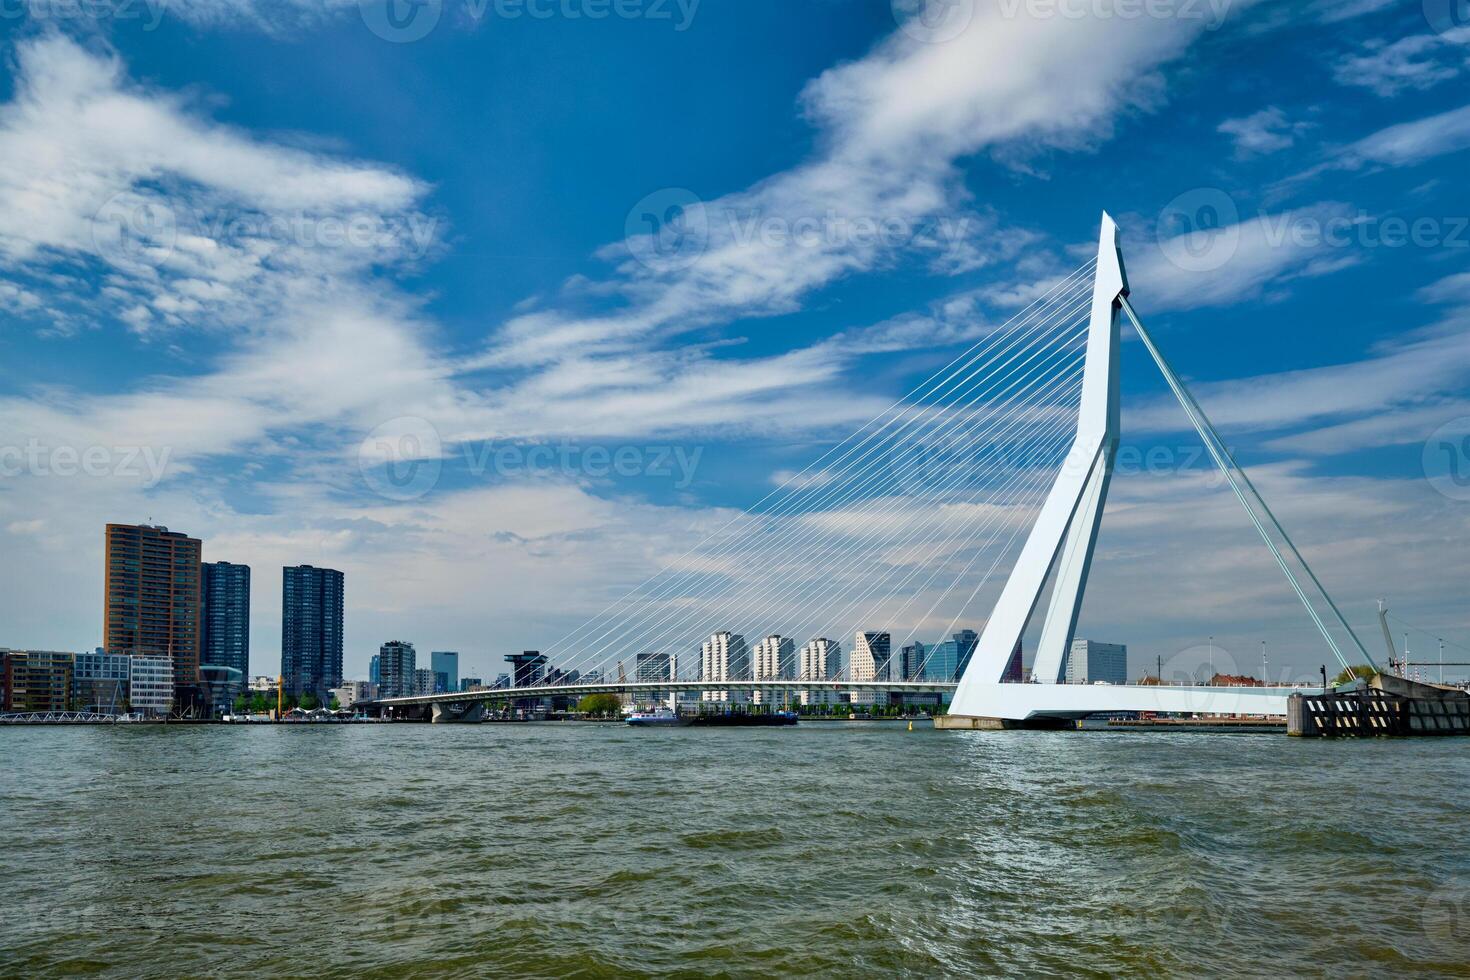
(1361,670)
(600,705)
(310,702)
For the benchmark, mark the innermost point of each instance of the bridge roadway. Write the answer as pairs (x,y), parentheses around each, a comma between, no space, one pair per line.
(579,689)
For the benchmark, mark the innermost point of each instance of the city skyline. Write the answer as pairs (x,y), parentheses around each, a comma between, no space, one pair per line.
(377,404)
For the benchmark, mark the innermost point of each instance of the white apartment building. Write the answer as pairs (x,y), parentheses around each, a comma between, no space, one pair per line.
(871,654)
(724,657)
(151,685)
(820,660)
(775,659)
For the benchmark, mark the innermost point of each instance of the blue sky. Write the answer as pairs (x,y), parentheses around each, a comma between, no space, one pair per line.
(248,244)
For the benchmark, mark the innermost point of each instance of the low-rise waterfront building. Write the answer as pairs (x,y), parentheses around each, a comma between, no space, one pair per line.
(100,682)
(151,685)
(351,692)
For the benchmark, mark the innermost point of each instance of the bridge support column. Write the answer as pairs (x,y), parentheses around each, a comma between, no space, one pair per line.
(471,713)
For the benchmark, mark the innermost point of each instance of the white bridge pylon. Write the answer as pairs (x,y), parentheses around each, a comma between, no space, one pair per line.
(1063,539)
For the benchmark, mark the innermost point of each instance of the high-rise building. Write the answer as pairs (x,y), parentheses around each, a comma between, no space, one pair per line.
(947,661)
(311,629)
(724,657)
(528,668)
(397,663)
(774,659)
(423,682)
(1091,662)
(653,668)
(226,619)
(445,664)
(911,661)
(820,660)
(152,597)
(872,656)
(471,684)
(375,675)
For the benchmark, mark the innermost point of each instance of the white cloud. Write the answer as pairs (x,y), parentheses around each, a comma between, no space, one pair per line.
(1414,63)
(1267,131)
(1240,261)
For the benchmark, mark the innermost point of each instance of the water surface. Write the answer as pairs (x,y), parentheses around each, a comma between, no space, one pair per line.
(594,850)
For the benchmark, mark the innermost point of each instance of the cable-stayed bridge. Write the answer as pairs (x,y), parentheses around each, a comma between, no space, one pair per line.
(973,499)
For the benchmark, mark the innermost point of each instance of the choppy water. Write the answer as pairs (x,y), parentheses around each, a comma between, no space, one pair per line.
(832,848)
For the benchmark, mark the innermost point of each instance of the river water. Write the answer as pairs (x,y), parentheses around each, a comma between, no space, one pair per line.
(594,850)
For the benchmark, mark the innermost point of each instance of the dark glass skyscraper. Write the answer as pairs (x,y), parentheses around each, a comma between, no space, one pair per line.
(311,629)
(226,616)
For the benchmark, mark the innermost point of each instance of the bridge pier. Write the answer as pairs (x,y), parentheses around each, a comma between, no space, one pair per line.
(968,723)
(462,713)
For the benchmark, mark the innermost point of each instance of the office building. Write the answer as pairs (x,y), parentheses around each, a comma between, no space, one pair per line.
(151,685)
(871,661)
(374,673)
(397,663)
(471,684)
(528,668)
(152,597)
(1091,662)
(218,689)
(820,659)
(423,682)
(311,629)
(445,665)
(652,668)
(724,657)
(225,641)
(947,661)
(100,682)
(911,660)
